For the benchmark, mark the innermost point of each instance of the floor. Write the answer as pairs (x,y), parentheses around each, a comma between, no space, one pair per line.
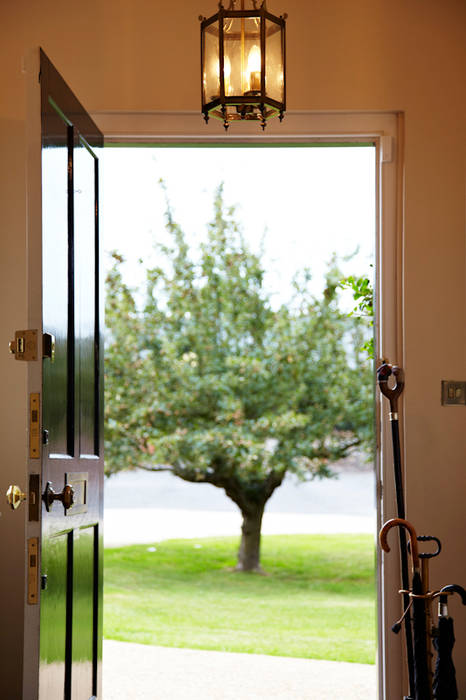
(140,672)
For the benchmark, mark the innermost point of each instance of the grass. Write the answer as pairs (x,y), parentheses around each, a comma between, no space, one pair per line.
(317,601)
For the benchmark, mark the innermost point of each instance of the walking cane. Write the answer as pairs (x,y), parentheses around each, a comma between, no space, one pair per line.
(383,373)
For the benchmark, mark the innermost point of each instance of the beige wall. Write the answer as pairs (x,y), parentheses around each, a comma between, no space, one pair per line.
(13,286)
(404,55)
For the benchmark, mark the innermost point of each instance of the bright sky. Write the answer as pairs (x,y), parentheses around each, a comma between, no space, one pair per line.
(308,201)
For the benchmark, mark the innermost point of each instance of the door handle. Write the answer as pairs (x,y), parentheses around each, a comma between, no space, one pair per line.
(15,496)
(66,496)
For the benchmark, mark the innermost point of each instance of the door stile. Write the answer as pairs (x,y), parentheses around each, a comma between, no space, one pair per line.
(99,437)
(69,615)
(72,433)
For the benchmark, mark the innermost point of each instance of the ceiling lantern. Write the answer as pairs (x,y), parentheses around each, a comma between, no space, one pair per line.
(243,64)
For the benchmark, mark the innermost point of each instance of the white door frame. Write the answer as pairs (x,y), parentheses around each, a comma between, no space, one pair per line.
(386,131)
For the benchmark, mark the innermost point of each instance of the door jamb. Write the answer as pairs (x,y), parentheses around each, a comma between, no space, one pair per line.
(34,316)
(386,131)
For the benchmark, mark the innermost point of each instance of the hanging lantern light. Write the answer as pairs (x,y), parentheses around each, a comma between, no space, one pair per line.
(243,64)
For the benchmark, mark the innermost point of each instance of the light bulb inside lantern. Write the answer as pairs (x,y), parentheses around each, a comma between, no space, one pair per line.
(226,73)
(254,68)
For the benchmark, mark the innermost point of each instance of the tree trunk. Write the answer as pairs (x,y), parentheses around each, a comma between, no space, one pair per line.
(249,550)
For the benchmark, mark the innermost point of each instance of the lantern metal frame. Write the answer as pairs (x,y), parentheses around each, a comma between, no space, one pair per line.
(253,105)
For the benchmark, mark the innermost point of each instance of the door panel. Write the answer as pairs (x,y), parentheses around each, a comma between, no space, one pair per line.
(84,612)
(85,168)
(54,614)
(71,540)
(57,377)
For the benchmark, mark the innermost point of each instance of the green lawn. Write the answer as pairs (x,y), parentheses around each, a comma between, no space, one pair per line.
(317,601)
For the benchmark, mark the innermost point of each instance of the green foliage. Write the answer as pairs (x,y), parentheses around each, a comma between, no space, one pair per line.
(318,600)
(363,295)
(206,379)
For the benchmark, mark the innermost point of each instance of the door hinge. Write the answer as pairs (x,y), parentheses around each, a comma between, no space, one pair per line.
(24,346)
(379,491)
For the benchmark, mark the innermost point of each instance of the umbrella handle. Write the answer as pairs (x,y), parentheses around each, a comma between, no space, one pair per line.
(383,373)
(429,538)
(412,538)
(454,588)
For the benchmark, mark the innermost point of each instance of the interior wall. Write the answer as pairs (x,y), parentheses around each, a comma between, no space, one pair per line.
(364,55)
(13,288)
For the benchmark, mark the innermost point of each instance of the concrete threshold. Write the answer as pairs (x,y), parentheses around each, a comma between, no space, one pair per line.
(140,672)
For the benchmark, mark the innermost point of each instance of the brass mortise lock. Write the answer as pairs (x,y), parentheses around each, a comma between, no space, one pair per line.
(25,345)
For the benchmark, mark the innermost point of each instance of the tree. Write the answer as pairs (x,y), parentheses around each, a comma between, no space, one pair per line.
(207,380)
(363,295)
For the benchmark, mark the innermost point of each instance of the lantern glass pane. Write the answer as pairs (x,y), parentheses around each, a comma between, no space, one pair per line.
(242,55)
(210,69)
(274,68)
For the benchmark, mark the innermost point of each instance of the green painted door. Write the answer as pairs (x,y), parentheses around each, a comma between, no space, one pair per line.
(72,455)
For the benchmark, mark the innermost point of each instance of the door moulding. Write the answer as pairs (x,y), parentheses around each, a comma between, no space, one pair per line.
(386,131)
(189,127)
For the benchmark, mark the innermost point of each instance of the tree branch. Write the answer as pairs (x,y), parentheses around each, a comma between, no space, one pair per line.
(157,468)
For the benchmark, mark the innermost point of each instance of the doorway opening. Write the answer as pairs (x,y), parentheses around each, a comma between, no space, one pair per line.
(309,210)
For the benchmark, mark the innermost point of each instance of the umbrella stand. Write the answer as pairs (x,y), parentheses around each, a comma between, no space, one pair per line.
(384,372)
(421,687)
(444,683)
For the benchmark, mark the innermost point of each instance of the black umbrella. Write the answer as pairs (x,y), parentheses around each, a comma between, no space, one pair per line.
(444,684)
(384,372)
(421,685)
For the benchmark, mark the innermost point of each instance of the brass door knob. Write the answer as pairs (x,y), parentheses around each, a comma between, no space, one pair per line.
(15,496)
(66,496)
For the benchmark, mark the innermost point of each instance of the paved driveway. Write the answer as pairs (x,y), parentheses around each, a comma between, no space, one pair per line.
(141,507)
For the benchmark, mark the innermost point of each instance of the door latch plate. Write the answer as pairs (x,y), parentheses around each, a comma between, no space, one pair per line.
(33,570)
(34,426)
(34,497)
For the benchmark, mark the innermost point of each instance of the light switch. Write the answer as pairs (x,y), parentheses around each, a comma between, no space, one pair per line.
(453,393)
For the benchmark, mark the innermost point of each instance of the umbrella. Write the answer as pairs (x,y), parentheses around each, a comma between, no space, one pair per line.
(421,685)
(384,372)
(444,684)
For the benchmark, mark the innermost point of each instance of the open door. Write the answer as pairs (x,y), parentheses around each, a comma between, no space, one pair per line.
(70,573)
(51,540)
